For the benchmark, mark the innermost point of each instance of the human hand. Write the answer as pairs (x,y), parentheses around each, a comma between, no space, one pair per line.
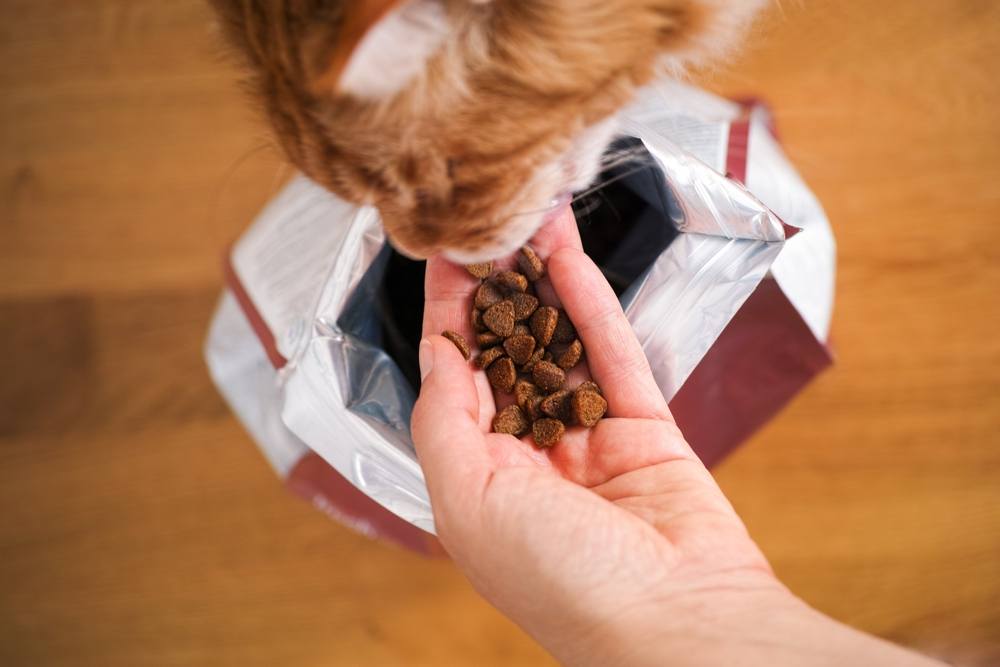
(616,545)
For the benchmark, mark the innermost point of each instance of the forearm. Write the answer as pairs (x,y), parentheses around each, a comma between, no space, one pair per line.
(768,627)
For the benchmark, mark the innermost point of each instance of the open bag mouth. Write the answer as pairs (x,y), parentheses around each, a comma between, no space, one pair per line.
(624,225)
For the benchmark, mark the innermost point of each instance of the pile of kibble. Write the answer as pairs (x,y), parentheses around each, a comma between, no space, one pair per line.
(527,349)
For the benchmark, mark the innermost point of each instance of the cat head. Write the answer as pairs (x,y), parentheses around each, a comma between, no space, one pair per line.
(465,122)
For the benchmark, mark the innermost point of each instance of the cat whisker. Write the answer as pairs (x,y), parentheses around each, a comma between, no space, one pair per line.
(609,160)
(617,177)
(591,205)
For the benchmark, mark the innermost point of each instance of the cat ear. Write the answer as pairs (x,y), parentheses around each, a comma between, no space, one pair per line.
(702,31)
(382,45)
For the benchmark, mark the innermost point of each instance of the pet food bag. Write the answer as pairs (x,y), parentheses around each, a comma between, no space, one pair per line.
(722,257)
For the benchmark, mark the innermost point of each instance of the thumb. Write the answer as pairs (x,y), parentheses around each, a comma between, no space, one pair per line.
(444,425)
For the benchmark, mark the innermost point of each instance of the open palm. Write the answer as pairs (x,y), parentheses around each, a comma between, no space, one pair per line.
(608,520)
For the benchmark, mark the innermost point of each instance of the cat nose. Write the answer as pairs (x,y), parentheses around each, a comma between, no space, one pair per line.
(456,255)
(406,238)
(410,252)
(418,246)
(482,252)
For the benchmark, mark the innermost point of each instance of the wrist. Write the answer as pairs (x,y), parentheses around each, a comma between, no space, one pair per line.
(704,624)
(754,621)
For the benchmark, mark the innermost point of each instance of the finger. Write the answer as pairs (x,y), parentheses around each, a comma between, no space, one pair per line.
(614,356)
(562,232)
(444,424)
(616,446)
(448,290)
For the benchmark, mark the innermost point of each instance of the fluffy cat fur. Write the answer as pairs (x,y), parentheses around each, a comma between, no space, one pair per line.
(462,120)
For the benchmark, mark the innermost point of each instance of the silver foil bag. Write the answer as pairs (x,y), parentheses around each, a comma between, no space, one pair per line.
(733,313)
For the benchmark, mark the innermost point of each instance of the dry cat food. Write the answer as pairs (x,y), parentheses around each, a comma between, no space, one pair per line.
(459,342)
(527,349)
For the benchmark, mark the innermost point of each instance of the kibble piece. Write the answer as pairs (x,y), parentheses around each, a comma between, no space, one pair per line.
(524,391)
(524,305)
(512,280)
(502,373)
(518,335)
(533,407)
(536,356)
(487,295)
(564,331)
(588,407)
(476,320)
(547,431)
(548,376)
(570,356)
(459,342)
(487,339)
(543,324)
(511,420)
(559,405)
(489,356)
(481,270)
(530,264)
(500,318)
(520,348)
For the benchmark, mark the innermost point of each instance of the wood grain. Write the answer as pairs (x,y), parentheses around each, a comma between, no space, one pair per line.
(140,525)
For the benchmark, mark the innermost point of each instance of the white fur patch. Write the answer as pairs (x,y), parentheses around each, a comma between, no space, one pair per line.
(583,161)
(396,50)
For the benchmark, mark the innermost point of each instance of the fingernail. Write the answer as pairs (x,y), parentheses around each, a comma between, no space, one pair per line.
(425,356)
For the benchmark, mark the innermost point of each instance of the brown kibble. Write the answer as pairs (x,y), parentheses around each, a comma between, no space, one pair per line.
(511,420)
(533,407)
(543,324)
(487,295)
(524,391)
(500,318)
(489,356)
(524,305)
(459,341)
(518,335)
(512,280)
(559,405)
(536,356)
(476,320)
(570,356)
(481,270)
(487,339)
(519,347)
(548,376)
(530,264)
(547,432)
(588,407)
(564,331)
(502,373)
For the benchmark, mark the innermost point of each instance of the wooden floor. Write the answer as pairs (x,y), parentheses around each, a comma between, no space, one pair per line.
(139,525)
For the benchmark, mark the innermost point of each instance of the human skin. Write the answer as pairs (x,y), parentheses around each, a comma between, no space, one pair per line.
(616,546)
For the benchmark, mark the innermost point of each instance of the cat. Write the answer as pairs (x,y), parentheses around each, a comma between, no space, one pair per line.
(466,122)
